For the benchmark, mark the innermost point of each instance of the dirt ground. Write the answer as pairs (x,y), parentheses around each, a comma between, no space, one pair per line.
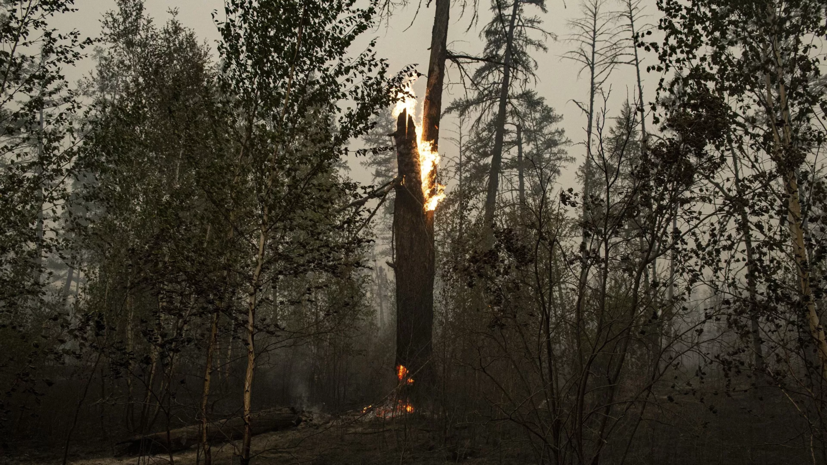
(346,440)
(683,432)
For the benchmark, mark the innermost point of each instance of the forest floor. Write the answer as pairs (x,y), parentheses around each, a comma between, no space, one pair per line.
(738,430)
(347,440)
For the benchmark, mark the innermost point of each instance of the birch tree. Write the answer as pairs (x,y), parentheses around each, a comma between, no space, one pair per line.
(761,59)
(286,66)
(38,137)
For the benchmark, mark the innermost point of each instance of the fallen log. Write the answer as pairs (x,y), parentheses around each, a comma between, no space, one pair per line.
(219,431)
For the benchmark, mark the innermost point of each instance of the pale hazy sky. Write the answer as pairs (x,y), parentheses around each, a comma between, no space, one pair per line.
(403,45)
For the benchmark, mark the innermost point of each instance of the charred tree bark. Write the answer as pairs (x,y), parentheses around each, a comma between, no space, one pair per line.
(432,107)
(413,230)
(414,227)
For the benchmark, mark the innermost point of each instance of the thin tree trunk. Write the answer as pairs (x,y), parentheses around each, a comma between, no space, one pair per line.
(380,293)
(256,283)
(229,360)
(625,336)
(670,290)
(752,272)
(548,342)
(252,303)
(582,280)
(78,408)
(205,443)
(499,135)
(86,387)
(644,136)
(145,423)
(783,146)
(213,348)
(587,175)
(67,287)
(803,266)
(39,226)
(130,348)
(520,167)
(461,189)
(102,416)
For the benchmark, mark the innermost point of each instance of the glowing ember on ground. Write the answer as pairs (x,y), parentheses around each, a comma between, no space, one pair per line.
(389,410)
(428,157)
(392,408)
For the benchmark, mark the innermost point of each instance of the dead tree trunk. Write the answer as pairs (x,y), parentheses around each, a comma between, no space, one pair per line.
(413,230)
(432,108)
(414,227)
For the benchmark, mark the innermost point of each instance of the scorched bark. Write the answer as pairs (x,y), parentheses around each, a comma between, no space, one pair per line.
(413,230)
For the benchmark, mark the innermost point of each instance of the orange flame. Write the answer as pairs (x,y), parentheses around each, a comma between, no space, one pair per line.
(402,375)
(389,409)
(428,157)
(393,408)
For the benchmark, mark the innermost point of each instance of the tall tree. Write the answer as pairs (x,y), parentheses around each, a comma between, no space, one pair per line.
(38,137)
(500,46)
(139,212)
(506,67)
(760,58)
(286,66)
(414,268)
(598,52)
(596,36)
(415,319)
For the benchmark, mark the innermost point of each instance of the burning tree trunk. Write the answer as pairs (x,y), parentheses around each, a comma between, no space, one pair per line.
(417,194)
(413,229)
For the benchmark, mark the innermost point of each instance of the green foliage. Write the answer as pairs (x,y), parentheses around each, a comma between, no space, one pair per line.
(38,134)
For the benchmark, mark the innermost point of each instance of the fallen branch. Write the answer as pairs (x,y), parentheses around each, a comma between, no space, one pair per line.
(456,56)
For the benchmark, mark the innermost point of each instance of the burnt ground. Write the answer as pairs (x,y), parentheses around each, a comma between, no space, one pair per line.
(353,439)
(680,431)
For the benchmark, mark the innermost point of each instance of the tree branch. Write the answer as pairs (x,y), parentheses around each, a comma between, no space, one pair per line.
(380,192)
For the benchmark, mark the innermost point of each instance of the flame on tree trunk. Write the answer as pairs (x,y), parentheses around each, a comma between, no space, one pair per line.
(416,200)
(413,229)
